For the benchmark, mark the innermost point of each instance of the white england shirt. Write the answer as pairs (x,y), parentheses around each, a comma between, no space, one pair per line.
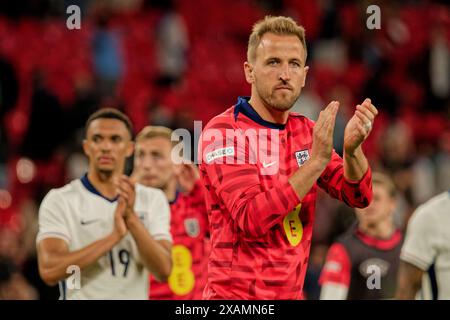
(427,244)
(78,214)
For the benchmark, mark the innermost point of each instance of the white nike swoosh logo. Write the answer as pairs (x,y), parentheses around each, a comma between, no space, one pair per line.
(266,165)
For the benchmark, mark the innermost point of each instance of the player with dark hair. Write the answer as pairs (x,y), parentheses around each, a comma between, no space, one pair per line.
(103,225)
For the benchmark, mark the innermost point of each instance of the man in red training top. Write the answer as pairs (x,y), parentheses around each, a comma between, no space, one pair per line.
(154,166)
(261,166)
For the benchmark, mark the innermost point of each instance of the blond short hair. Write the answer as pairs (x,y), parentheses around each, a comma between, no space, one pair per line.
(278,25)
(385,181)
(150,132)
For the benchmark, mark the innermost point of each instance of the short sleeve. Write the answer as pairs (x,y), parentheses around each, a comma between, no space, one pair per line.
(52,221)
(159,225)
(420,245)
(337,268)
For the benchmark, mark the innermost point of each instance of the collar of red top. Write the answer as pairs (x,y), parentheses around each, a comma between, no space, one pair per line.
(381,244)
(242,106)
(173,201)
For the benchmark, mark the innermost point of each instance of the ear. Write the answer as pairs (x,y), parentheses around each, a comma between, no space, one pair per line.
(86,147)
(304,75)
(248,70)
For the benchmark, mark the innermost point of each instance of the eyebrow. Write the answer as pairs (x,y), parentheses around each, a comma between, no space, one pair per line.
(279,59)
(113,136)
(296,60)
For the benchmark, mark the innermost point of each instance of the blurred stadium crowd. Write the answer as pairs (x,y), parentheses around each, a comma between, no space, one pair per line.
(171,62)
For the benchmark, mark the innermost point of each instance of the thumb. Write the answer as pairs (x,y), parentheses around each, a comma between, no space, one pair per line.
(121,204)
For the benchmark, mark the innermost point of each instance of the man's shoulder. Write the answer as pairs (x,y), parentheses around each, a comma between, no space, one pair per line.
(436,206)
(441,201)
(63,193)
(348,238)
(148,194)
(301,120)
(224,120)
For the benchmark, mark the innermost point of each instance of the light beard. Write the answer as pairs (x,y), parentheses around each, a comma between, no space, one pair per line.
(285,105)
(281,107)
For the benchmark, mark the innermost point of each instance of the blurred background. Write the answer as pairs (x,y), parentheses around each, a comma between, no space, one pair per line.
(172,62)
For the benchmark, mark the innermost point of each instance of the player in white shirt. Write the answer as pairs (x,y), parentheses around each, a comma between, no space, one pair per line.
(427,249)
(112,229)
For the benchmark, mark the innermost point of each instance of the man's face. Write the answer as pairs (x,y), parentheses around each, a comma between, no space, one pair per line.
(107,145)
(380,209)
(153,166)
(278,71)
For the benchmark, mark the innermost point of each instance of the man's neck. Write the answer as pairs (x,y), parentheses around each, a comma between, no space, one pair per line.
(170,190)
(268,113)
(382,230)
(103,182)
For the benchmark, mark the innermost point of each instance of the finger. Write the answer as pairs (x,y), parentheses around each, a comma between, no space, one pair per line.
(366,112)
(331,121)
(373,109)
(325,115)
(127,180)
(369,106)
(330,131)
(132,180)
(121,205)
(187,162)
(123,187)
(126,183)
(362,130)
(367,102)
(191,168)
(362,117)
(183,174)
(125,195)
(331,108)
(185,169)
(319,123)
(125,200)
(122,194)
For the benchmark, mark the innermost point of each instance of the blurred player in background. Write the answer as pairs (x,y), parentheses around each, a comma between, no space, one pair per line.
(262,212)
(111,228)
(427,250)
(13,285)
(155,167)
(370,248)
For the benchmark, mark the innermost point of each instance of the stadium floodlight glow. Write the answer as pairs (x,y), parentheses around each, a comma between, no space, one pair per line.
(25,170)
(5,199)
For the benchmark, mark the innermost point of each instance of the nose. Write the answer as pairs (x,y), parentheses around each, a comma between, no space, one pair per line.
(105,146)
(147,163)
(284,73)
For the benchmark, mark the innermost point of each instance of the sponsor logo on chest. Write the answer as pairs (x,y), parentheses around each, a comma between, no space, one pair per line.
(192,227)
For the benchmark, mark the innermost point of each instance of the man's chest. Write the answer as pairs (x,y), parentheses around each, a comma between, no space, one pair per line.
(188,223)
(90,221)
(281,156)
